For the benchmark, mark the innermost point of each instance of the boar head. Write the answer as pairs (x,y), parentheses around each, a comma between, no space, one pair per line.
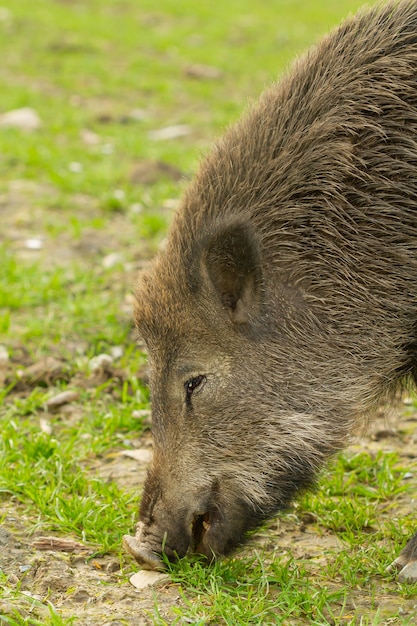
(231,446)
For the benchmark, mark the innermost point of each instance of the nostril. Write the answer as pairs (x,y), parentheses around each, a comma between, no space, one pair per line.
(145,557)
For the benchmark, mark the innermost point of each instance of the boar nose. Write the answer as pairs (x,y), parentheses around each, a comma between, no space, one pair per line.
(172,531)
(144,556)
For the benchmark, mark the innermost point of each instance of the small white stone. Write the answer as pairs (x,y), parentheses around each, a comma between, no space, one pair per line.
(45,426)
(146,578)
(143,455)
(170,132)
(24,119)
(138,115)
(100,362)
(34,243)
(116,352)
(135,208)
(5,14)
(4,356)
(112,259)
(119,194)
(75,167)
(89,137)
(170,204)
(141,414)
(107,148)
(62,398)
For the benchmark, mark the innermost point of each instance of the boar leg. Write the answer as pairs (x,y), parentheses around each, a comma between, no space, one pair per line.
(406,563)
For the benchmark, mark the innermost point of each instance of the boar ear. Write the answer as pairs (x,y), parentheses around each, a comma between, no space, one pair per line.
(232,261)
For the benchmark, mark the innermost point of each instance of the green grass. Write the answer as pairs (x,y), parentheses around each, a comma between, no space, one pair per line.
(50,474)
(120,70)
(272,585)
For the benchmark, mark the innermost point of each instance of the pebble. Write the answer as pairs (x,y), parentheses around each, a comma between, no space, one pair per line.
(170,204)
(46,370)
(5,14)
(142,455)
(107,148)
(35,243)
(101,362)
(75,167)
(4,356)
(89,138)
(138,115)
(45,426)
(112,259)
(24,119)
(203,72)
(116,352)
(139,414)
(136,208)
(119,194)
(62,398)
(170,132)
(146,578)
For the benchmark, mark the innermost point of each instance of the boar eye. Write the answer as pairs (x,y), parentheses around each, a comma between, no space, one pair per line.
(192,384)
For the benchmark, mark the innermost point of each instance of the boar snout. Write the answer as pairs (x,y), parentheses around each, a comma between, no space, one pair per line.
(210,526)
(143,555)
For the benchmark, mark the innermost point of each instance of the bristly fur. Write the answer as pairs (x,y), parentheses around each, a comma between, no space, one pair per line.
(288,280)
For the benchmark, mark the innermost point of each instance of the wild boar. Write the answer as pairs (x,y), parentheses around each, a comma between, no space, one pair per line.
(283,307)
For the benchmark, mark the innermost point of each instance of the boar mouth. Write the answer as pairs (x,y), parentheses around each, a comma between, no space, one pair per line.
(201,526)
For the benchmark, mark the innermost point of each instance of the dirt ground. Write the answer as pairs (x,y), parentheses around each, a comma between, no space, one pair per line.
(94,589)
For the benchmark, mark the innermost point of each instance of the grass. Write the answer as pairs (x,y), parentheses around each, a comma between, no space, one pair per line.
(63,493)
(271,586)
(103,76)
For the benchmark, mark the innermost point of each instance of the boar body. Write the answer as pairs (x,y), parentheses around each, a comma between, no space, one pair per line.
(283,308)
